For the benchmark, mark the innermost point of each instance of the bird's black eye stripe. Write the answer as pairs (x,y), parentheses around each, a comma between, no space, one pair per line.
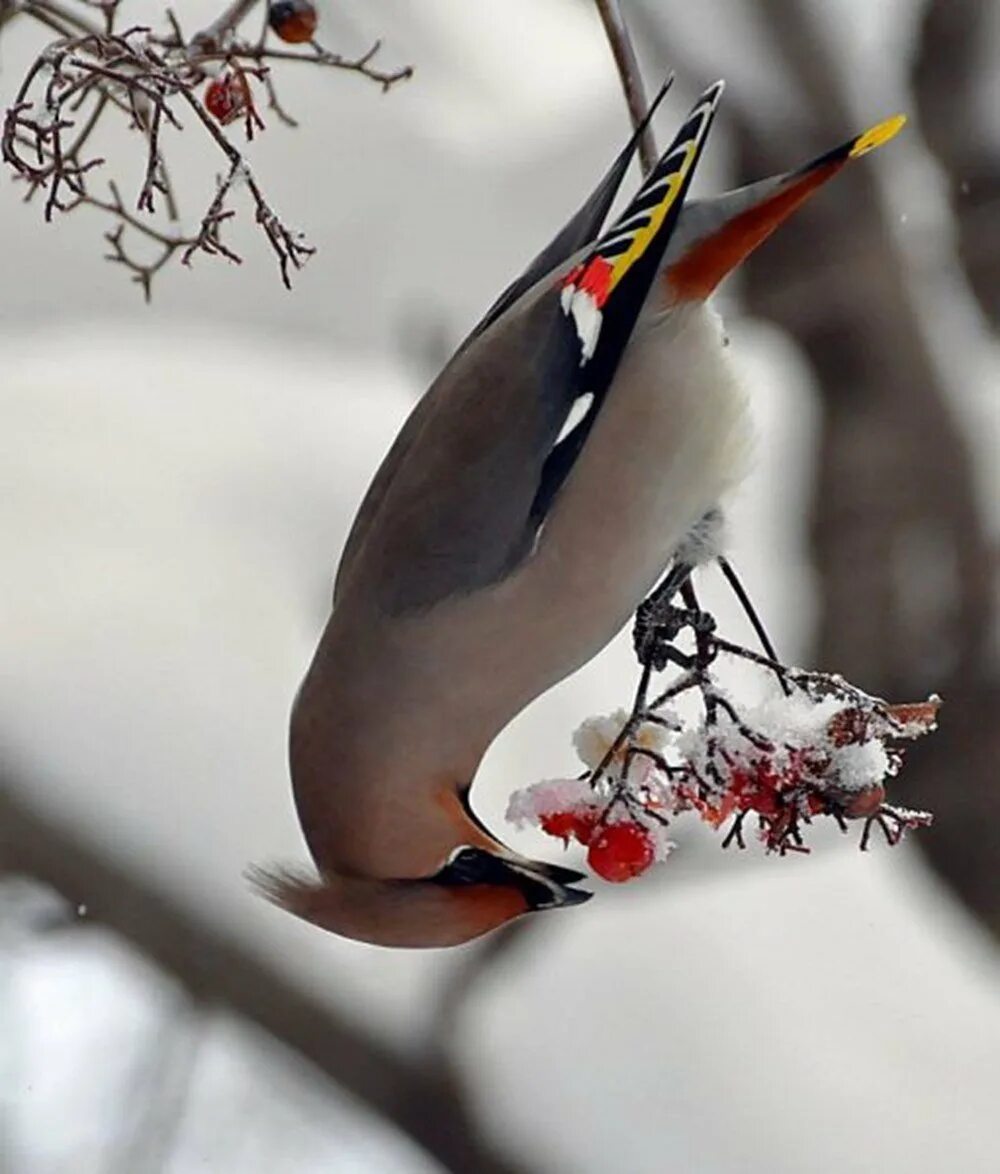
(473,866)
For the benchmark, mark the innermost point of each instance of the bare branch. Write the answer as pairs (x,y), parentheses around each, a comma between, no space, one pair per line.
(616,31)
(91,73)
(224,25)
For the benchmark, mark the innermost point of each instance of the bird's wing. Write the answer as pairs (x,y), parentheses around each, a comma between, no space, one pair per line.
(579,231)
(582,228)
(460,508)
(604,292)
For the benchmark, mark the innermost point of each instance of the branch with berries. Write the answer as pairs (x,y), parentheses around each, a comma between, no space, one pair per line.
(97,69)
(812,746)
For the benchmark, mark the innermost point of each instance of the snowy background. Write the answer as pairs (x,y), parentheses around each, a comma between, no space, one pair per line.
(176,484)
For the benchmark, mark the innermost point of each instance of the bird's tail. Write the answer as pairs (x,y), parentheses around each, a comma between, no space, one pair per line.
(289,889)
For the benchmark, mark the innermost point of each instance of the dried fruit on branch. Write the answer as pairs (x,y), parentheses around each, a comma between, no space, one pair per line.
(294,21)
(227,97)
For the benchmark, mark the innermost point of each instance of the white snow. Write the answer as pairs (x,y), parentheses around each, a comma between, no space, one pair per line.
(529,804)
(594,737)
(861,765)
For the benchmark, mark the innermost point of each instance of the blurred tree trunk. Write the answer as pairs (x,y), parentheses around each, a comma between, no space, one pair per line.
(906,574)
(424,1096)
(953,65)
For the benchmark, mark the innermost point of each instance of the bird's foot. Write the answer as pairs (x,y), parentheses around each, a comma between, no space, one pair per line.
(658,623)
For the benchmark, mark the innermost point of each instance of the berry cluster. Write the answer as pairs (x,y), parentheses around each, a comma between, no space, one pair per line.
(815,747)
(832,758)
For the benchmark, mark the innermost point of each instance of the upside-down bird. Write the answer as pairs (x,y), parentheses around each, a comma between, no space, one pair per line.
(535,495)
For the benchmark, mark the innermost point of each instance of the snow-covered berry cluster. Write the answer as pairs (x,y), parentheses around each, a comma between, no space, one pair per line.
(622,838)
(816,747)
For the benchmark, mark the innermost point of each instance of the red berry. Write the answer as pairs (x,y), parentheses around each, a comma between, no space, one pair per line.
(586,825)
(568,825)
(294,21)
(767,778)
(620,851)
(227,97)
(816,802)
(740,784)
(561,824)
(865,803)
(765,803)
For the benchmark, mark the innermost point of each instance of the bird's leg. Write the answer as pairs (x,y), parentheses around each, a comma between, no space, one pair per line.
(654,645)
(659,621)
(702,624)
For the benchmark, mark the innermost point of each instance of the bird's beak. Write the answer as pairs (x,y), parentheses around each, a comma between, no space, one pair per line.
(556,872)
(734,224)
(566,896)
(546,886)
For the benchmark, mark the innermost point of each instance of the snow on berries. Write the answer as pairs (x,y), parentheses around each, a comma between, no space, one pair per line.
(594,738)
(618,847)
(555,802)
(814,747)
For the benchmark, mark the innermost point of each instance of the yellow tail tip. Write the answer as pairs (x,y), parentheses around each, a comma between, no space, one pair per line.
(877,135)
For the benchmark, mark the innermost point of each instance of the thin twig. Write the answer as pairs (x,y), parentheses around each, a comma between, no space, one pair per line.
(616,30)
(224,24)
(94,72)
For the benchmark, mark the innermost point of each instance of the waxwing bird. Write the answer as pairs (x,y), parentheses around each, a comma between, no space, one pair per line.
(533,498)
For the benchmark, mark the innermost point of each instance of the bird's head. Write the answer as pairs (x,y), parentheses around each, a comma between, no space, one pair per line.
(476,890)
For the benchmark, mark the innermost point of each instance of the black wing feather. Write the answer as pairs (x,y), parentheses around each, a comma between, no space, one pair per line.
(622,308)
(582,228)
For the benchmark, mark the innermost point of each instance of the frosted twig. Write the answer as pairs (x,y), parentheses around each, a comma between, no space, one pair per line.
(98,69)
